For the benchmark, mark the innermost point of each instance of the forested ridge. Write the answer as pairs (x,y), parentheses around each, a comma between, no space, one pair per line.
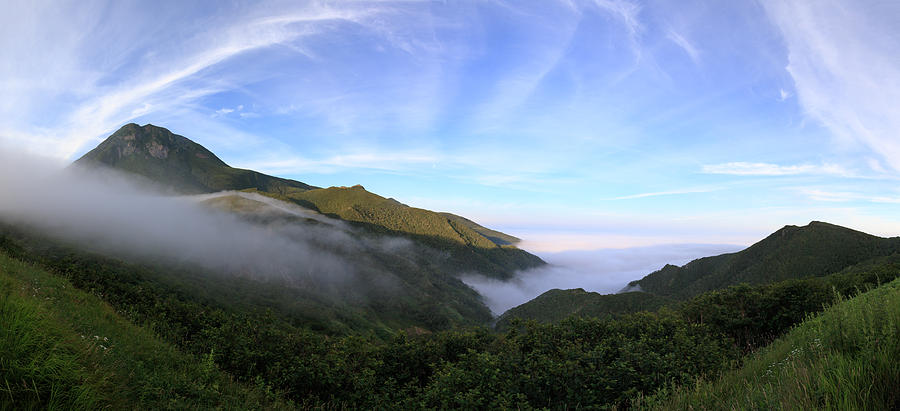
(815,250)
(578,362)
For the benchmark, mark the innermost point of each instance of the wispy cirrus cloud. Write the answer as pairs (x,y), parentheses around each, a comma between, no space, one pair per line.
(371,160)
(846,196)
(741,168)
(171,73)
(628,12)
(842,58)
(685,45)
(668,193)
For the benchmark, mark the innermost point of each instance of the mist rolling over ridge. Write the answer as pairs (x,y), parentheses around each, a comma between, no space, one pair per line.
(605,271)
(109,213)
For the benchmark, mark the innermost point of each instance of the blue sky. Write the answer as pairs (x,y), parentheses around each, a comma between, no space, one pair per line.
(573,124)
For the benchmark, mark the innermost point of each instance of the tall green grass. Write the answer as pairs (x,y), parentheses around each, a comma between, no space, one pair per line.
(38,368)
(844,358)
(62,348)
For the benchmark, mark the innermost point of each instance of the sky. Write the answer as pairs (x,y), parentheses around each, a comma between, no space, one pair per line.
(575,125)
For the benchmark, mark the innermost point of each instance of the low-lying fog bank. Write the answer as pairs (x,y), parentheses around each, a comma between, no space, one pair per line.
(605,271)
(107,212)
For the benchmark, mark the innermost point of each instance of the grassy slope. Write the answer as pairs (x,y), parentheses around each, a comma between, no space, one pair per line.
(357,204)
(495,236)
(793,252)
(555,305)
(471,248)
(63,348)
(844,358)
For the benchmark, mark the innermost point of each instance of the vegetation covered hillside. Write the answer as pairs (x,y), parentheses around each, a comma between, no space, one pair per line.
(555,305)
(816,250)
(64,348)
(392,288)
(792,252)
(577,362)
(175,162)
(471,247)
(844,358)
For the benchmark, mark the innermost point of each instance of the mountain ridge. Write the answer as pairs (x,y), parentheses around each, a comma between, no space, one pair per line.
(815,249)
(792,252)
(172,160)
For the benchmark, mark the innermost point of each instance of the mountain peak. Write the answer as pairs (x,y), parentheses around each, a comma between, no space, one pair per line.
(172,160)
(151,142)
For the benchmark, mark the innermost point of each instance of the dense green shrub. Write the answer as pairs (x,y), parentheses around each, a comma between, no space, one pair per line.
(845,358)
(578,362)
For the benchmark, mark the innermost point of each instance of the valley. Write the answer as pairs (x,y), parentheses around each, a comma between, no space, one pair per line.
(338,297)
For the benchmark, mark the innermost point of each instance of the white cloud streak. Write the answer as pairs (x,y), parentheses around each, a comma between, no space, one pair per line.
(846,196)
(685,45)
(625,11)
(384,161)
(842,56)
(667,193)
(741,168)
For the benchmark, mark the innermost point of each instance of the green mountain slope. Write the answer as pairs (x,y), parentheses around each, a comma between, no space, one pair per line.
(556,305)
(177,162)
(815,250)
(844,358)
(792,252)
(392,289)
(495,236)
(63,348)
(471,247)
(578,362)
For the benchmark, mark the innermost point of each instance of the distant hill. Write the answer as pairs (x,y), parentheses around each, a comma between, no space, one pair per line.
(176,162)
(555,305)
(816,249)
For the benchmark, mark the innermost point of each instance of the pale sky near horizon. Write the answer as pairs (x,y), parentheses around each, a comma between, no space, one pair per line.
(572,124)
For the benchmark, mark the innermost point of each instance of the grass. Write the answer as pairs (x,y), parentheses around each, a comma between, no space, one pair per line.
(38,368)
(61,348)
(844,358)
